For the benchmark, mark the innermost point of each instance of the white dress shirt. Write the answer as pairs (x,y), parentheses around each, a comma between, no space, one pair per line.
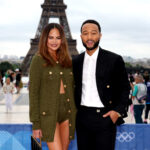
(90,96)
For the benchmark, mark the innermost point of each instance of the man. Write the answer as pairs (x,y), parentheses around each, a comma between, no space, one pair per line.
(101,91)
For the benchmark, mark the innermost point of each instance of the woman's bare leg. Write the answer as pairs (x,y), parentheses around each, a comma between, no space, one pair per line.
(64,134)
(56,144)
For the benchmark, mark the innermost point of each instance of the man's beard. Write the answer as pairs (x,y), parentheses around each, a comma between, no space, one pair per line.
(91,48)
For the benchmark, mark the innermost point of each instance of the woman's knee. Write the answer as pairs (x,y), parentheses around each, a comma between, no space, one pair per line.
(56,144)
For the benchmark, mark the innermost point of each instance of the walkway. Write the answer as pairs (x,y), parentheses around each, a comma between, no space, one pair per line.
(20,112)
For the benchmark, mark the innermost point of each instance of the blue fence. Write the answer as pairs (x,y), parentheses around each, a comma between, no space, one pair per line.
(129,137)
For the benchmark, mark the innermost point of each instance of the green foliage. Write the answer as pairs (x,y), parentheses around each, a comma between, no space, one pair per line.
(139,66)
(15,66)
(4,66)
(128,65)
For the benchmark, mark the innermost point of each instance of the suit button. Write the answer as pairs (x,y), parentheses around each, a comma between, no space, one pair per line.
(70,125)
(50,72)
(110,102)
(68,100)
(98,110)
(69,111)
(71,73)
(61,73)
(44,113)
(108,86)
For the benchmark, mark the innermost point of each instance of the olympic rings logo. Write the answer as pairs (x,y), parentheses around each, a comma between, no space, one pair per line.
(125,136)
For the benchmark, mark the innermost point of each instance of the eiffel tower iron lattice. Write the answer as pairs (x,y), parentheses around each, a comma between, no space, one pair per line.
(51,9)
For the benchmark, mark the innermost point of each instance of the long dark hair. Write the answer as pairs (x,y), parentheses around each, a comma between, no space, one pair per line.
(62,53)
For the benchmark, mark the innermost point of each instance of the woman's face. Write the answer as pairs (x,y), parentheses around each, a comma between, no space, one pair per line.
(54,40)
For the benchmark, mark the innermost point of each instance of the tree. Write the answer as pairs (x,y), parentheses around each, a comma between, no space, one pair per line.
(16,65)
(128,65)
(4,66)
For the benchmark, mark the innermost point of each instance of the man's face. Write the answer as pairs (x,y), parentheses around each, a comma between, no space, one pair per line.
(90,36)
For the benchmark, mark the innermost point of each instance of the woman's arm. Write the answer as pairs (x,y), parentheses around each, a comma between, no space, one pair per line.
(34,90)
(135,90)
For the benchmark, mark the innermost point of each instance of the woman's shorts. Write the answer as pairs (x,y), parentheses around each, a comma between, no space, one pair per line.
(62,109)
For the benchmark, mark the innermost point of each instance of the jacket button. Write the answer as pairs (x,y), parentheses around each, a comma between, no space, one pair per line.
(61,73)
(44,113)
(70,125)
(50,72)
(108,86)
(57,62)
(65,86)
(110,102)
(68,100)
(71,73)
(69,111)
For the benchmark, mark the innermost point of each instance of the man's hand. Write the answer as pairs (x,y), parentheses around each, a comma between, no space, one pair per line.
(113,115)
(37,133)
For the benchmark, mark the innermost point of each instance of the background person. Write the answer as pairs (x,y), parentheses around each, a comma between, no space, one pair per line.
(147,102)
(138,97)
(1,80)
(8,89)
(18,80)
(12,76)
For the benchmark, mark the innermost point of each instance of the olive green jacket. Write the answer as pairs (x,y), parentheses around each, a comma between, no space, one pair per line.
(44,88)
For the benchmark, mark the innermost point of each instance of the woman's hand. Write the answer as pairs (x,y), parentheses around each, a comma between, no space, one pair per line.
(37,133)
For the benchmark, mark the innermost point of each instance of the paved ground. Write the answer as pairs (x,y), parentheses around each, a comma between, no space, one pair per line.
(20,112)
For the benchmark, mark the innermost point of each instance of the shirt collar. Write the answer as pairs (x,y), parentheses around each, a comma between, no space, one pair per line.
(94,56)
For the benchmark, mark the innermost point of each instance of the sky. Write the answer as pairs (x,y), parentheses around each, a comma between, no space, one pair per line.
(125,24)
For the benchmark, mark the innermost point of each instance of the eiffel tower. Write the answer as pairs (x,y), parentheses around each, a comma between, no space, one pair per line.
(51,9)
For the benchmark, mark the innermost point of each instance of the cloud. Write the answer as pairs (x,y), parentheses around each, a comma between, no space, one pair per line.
(14,47)
(125,24)
(128,18)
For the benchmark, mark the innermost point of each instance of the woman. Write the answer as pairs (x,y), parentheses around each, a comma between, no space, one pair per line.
(8,89)
(138,97)
(52,108)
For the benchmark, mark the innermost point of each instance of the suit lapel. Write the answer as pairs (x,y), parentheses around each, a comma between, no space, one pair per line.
(100,63)
(100,67)
(80,61)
